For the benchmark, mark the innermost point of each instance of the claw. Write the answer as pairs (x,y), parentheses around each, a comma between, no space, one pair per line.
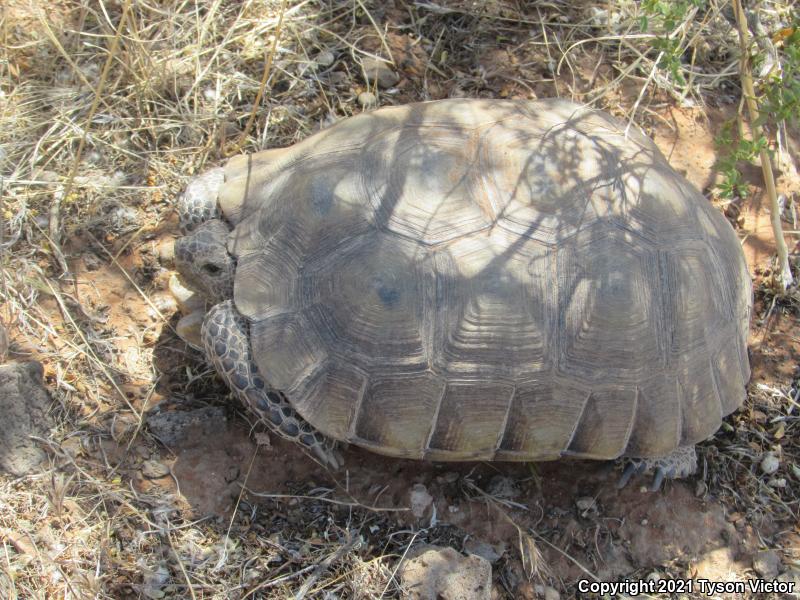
(658,479)
(328,458)
(631,469)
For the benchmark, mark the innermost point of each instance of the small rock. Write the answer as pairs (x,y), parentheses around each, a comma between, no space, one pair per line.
(337,77)
(153,469)
(435,573)
(90,260)
(586,505)
(379,71)
(165,303)
(546,592)
(716,565)
(767,563)
(367,99)
(154,581)
(770,463)
(501,486)
(482,549)
(72,446)
(174,427)
(46,176)
(450,477)
(791,576)
(166,252)
(115,217)
(551,593)
(420,500)
(325,59)
(3,343)
(701,489)
(24,404)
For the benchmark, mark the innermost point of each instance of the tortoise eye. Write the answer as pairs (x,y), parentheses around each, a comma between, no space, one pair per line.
(211,268)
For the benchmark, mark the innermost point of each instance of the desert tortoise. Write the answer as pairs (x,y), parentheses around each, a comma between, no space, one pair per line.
(472,280)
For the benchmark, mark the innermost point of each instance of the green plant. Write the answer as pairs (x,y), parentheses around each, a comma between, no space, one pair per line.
(732,150)
(779,102)
(667,16)
(780,88)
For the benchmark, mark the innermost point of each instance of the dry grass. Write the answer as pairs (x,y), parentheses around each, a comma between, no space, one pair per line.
(103,118)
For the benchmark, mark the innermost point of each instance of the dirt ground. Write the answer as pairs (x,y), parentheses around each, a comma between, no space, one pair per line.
(226,510)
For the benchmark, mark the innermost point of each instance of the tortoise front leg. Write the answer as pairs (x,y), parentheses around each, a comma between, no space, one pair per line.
(227,345)
(678,464)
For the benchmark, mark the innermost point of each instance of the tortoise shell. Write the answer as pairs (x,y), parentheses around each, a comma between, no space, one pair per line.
(498,280)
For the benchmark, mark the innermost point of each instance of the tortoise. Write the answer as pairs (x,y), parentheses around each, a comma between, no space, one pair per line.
(470,279)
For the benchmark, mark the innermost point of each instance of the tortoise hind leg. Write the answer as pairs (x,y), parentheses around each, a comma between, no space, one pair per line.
(227,346)
(680,463)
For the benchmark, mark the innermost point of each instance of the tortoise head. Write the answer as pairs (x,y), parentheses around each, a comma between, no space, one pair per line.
(204,263)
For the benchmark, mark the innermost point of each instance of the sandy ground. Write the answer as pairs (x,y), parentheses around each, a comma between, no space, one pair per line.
(228,484)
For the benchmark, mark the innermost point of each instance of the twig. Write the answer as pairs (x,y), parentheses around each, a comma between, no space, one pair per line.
(784,274)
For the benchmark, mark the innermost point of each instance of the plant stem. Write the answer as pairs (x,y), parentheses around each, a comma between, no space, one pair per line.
(784,274)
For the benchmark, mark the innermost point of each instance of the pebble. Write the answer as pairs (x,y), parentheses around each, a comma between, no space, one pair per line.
(420,500)
(482,549)
(586,505)
(380,72)
(436,573)
(166,252)
(767,563)
(551,593)
(367,99)
(770,463)
(337,77)
(172,428)
(701,489)
(501,486)
(325,59)
(547,592)
(46,176)
(153,469)
(24,406)
(3,343)
(791,576)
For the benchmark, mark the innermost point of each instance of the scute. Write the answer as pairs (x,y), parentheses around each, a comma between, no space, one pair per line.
(470,420)
(423,183)
(489,280)
(611,318)
(498,307)
(605,425)
(367,302)
(542,419)
(395,416)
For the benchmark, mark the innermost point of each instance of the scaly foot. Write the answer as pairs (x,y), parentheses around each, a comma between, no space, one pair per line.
(680,463)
